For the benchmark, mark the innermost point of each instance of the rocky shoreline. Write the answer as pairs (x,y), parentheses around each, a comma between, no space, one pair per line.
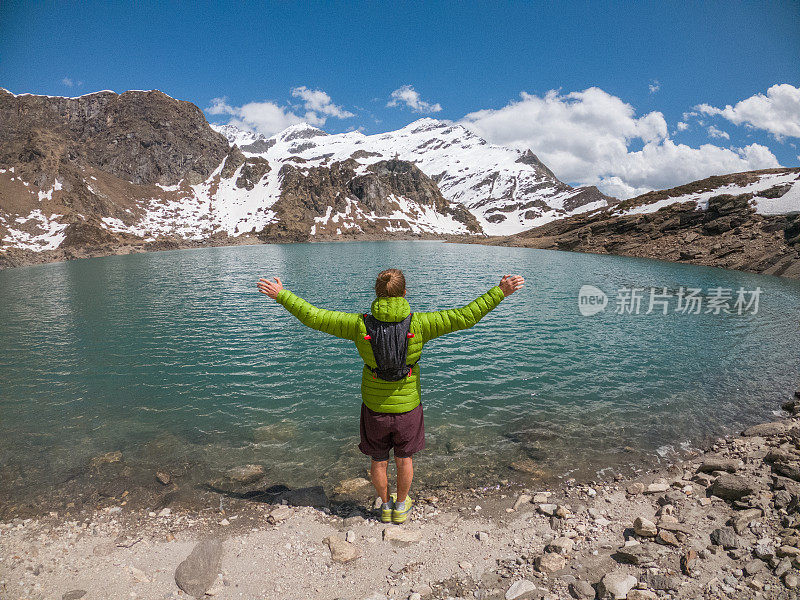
(723,523)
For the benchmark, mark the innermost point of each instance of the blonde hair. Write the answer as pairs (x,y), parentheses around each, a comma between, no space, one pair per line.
(390,283)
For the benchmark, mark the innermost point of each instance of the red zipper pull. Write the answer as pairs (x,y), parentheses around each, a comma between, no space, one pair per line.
(367,337)
(409,335)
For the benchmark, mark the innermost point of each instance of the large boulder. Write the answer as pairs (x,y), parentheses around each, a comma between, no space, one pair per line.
(197,573)
(732,487)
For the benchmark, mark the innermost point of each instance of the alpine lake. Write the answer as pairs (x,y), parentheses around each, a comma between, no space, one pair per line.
(173,362)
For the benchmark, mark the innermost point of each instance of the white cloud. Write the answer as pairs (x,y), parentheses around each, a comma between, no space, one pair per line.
(682,126)
(777,112)
(717,133)
(69,82)
(584,137)
(268,118)
(317,102)
(654,86)
(410,97)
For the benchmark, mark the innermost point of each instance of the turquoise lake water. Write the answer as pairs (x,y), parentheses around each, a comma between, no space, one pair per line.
(174,357)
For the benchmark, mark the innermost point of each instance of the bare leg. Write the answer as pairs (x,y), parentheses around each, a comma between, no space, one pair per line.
(379,478)
(405,473)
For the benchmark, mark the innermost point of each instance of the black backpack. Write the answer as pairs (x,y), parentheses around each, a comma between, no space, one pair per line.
(389,341)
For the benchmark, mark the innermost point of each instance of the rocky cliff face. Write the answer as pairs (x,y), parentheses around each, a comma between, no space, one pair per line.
(141,137)
(748,221)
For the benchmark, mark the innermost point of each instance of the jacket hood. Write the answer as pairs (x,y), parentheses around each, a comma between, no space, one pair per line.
(391,310)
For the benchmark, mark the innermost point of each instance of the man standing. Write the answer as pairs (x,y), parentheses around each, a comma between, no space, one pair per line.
(390,341)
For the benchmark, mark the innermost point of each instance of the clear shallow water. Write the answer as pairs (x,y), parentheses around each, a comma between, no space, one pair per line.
(175,358)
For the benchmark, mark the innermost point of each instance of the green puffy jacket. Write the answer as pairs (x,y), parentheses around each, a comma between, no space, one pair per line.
(377,394)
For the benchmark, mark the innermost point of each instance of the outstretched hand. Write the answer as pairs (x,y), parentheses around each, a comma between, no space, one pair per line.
(511,283)
(270,288)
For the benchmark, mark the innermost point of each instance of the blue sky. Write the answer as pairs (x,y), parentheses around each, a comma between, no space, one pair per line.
(450,61)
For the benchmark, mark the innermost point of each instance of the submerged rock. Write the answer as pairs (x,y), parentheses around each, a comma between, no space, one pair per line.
(352,487)
(765,429)
(246,474)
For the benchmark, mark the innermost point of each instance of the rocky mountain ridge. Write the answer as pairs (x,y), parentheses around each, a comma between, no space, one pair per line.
(748,221)
(106,173)
(111,173)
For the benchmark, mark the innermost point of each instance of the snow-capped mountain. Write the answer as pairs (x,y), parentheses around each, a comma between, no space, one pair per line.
(507,190)
(106,169)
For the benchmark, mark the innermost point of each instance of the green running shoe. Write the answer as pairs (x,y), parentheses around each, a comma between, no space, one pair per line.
(401,510)
(387,508)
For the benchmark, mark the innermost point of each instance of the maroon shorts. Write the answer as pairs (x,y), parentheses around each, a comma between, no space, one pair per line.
(405,432)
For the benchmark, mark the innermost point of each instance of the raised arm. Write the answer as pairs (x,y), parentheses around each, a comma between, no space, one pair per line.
(442,322)
(340,324)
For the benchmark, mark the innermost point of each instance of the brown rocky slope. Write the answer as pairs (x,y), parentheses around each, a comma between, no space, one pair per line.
(714,222)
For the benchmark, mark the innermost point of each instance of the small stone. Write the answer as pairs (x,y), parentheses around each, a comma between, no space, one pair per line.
(550,562)
(791,581)
(415,596)
(350,536)
(725,537)
(660,581)
(635,488)
(548,509)
(73,595)
(754,566)
(163,478)
(782,568)
(582,590)
(401,536)
(342,551)
(704,501)
(540,497)
(657,488)
(519,588)
(616,585)
(522,500)
(482,536)
(730,465)
(560,545)
(667,537)
(278,514)
(743,518)
(689,562)
(562,512)
(642,595)
(165,512)
(788,551)
(139,575)
(224,522)
(644,527)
